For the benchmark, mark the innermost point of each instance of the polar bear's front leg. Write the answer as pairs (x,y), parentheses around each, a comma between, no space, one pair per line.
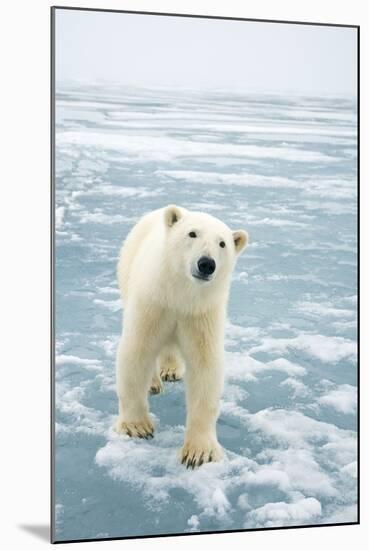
(201,341)
(143,335)
(133,377)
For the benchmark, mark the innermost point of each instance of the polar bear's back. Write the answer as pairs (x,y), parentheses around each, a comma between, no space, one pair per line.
(139,242)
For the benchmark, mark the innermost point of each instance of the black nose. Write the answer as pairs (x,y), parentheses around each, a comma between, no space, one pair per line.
(206,265)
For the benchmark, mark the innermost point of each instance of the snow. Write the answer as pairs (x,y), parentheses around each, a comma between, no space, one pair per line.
(343,399)
(288,410)
(287,513)
(325,348)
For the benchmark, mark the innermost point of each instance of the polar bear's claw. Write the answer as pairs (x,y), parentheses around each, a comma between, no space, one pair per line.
(184,458)
(193,457)
(170,375)
(171,370)
(142,430)
(156,387)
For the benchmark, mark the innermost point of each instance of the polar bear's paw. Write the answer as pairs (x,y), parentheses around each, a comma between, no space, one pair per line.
(156,386)
(171,371)
(143,429)
(194,454)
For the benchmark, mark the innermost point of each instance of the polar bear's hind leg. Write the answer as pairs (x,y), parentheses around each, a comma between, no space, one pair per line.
(156,385)
(170,364)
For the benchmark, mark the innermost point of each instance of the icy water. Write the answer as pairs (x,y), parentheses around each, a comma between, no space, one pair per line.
(284,168)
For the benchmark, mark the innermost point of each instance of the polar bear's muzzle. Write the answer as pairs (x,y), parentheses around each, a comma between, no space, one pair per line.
(205,268)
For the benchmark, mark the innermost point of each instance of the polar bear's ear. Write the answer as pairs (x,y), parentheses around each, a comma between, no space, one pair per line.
(172,214)
(240,238)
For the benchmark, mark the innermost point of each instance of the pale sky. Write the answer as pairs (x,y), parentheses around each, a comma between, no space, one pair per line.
(204,53)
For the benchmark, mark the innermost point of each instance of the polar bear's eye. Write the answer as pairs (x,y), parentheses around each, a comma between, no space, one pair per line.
(222,244)
(192,234)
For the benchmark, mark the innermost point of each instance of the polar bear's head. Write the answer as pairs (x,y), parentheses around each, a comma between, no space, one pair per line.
(200,246)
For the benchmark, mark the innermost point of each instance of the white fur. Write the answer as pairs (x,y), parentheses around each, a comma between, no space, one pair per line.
(172,319)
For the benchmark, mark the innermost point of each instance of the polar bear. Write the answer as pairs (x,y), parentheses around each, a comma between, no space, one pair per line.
(174,275)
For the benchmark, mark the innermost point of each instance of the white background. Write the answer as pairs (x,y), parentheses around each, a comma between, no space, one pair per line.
(24,253)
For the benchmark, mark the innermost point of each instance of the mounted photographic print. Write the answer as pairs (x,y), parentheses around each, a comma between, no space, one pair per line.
(205,274)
